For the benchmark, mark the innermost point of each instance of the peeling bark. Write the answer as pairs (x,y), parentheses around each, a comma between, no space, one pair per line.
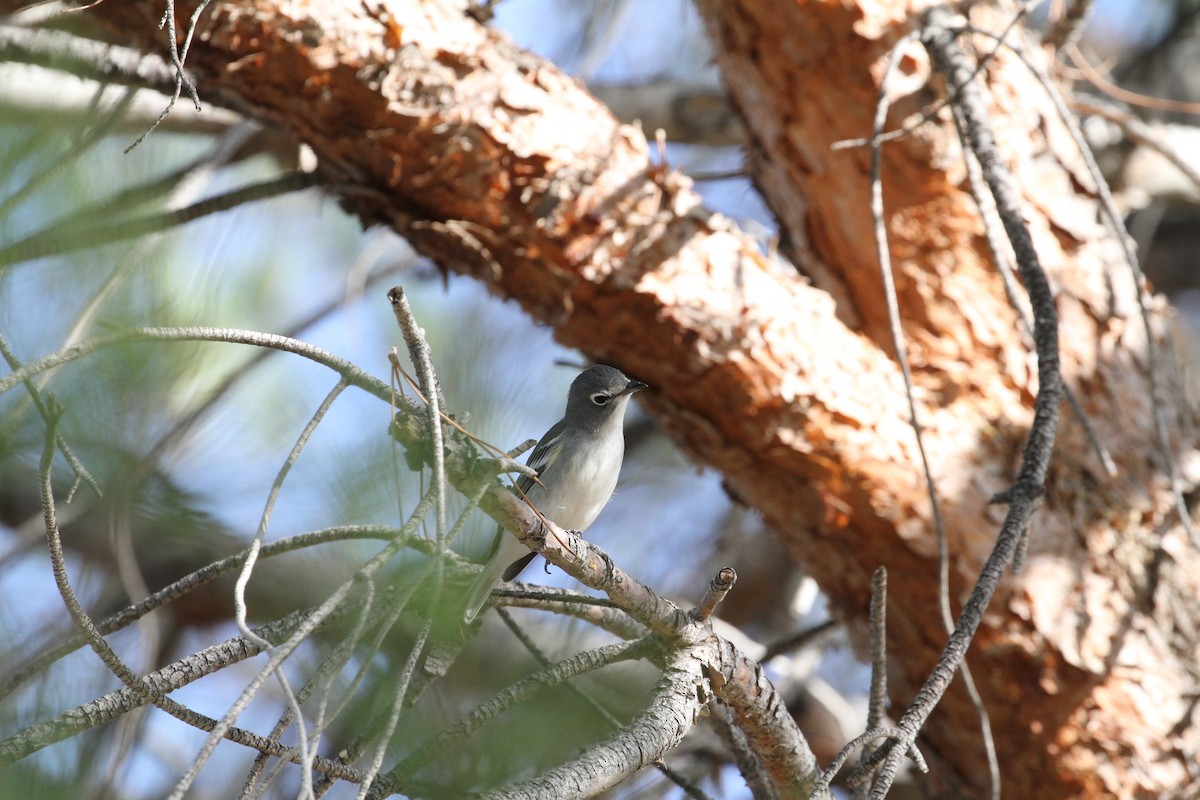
(1097,590)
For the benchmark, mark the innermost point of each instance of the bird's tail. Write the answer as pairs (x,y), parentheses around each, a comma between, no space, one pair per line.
(481,588)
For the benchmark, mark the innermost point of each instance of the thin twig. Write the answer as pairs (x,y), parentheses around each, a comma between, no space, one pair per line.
(325,674)
(418,348)
(799,640)
(557,674)
(1067,29)
(1024,496)
(877,698)
(418,351)
(410,664)
(720,717)
(877,703)
(53,240)
(174,676)
(1112,215)
(101,62)
(839,761)
(354,375)
(689,788)
(931,111)
(239,590)
(1137,131)
(1097,79)
(898,345)
(996,246)
(182,81)
(189,583)
(284,650)
(35,396)
(83,623)
(718,587)
(76,151)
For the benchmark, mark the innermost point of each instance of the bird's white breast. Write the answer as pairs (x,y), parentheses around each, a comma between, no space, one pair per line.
(595,470)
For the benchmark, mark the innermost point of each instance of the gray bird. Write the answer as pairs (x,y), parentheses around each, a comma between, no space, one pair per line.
(578,461)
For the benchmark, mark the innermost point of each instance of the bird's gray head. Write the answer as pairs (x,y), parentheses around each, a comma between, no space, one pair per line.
(598,395)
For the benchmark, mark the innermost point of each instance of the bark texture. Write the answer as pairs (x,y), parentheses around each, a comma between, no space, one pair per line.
(497,165)
(1111,576)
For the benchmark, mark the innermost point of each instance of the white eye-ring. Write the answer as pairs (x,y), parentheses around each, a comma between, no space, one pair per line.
(601,398)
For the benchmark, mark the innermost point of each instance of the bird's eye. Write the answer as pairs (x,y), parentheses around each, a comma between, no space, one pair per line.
(601,398)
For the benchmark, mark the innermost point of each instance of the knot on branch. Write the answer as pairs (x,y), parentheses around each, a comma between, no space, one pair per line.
(1024,490)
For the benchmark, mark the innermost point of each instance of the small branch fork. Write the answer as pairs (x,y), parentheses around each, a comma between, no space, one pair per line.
(699,666)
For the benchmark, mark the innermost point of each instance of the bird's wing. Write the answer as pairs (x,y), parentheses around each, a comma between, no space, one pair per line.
(501,563)
(543,455)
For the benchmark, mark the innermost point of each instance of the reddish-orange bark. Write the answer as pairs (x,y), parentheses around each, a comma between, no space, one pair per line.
(1046,655)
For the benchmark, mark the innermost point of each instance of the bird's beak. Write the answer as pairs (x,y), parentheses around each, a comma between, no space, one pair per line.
(631,387)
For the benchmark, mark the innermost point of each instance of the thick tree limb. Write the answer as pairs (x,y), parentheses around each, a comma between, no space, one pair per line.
(1055,632)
